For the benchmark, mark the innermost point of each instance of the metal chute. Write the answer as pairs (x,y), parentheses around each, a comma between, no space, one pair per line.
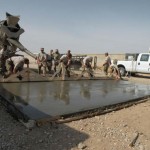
(21,47)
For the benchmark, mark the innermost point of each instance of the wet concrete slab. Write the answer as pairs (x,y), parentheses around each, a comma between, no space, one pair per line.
(39,100)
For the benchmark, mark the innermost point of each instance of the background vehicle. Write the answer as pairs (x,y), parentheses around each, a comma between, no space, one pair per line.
(138,63)
(77,61)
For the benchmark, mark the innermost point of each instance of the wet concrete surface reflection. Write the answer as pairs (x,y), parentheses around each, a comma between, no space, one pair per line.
(41,99)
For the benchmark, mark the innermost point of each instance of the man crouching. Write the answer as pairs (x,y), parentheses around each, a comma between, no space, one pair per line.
(87,65)
(114,70)
(15,64)
(65,62)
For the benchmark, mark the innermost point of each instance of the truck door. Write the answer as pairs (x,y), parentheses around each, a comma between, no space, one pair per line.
(143,63)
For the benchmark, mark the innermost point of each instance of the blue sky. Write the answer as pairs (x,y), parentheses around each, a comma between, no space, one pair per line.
(84,26)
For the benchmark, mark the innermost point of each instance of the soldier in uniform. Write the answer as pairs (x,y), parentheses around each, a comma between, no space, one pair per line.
(56,57)
(69,55)
(114,70)
(42,61)
(50,61)
(65,62)
(106,63)
(87,65)
(15,64)
(3,57)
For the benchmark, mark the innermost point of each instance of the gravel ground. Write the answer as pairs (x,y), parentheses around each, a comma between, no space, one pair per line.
(113,131)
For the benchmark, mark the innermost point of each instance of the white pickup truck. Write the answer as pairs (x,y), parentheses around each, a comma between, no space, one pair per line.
(138,64)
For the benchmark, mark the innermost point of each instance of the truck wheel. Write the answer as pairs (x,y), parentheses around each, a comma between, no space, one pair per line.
(122,71)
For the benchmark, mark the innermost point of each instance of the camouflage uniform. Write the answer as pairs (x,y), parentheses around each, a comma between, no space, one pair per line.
(56,57)
(64,65)
(114,70)
(106,64)
(3,56)
(87,65)
(15,64)
(42,62)
(49,61)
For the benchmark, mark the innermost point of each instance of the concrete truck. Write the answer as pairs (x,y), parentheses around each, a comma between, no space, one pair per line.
(135,63)
(10,32)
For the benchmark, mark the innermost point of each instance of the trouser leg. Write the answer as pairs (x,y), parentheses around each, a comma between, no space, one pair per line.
(39,69)
(49,66)
(63,69)
(90,73)
(54,68)
(106,69)
(9,66)
(2,66)
(44,70)
(67,71)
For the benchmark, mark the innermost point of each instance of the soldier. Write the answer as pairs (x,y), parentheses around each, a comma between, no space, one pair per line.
(114,70)
(87,64)
(3,57)
(65,62)
(106,63)
(56,56)
(42,61)
(15,64)
(69,55)
(50,60)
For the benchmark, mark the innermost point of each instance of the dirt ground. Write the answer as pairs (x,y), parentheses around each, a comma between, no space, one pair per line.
(112,131)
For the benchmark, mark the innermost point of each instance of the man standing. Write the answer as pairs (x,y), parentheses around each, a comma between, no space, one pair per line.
(56,57)
(106,63)
(50,61)
(42,61)
(69,55)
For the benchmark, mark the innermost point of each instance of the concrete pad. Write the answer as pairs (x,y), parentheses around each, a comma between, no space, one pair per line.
(38,100)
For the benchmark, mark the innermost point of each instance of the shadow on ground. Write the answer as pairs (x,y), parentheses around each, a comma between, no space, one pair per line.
(48,137)
(145,76)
